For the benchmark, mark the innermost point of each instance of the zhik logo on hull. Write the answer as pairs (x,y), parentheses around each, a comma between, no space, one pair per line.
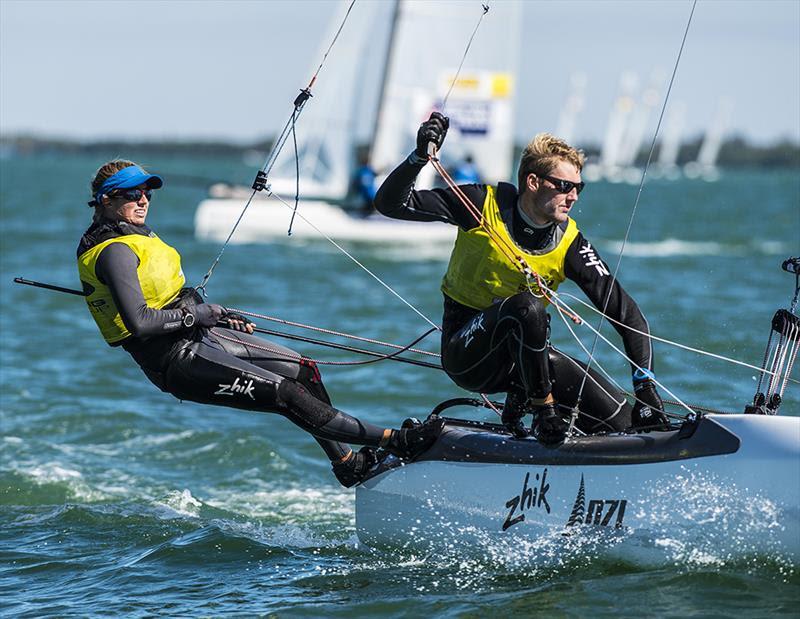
(531,497)
(236,388)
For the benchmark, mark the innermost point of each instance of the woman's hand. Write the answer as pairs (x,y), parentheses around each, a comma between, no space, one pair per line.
(237,322)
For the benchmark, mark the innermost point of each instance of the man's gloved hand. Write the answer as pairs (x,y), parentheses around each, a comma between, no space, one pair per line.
(237,322)
(207,314)
(432,130)
(648,411)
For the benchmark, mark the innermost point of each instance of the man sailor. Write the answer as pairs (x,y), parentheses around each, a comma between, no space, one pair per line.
(495,328)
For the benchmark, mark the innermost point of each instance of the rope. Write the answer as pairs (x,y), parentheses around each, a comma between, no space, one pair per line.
(464,57)
(683,346)
(299,105)
(639,193)
(356,261)
(297,358)
(332,332)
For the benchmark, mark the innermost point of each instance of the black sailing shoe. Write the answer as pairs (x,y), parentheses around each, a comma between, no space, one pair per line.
(515,408)
(549,427)
(355,468)
(409,442)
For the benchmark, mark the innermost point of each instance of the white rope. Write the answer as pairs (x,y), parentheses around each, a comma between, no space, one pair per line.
(485,8)
(355,260)
(673,343)
(620,352)
(641,187)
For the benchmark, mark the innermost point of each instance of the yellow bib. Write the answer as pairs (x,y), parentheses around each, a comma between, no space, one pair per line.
(160,277)
(480,274)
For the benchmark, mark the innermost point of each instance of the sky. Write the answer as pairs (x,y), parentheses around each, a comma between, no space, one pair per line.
(229,69)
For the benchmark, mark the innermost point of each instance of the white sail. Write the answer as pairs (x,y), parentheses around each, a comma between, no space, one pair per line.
(671,141)
(425,46)
(428,47)
(565,128)
(325,132)
(705,166)
(618,121)
(637,127)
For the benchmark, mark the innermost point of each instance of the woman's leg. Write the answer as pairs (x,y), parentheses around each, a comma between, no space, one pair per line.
(211,372)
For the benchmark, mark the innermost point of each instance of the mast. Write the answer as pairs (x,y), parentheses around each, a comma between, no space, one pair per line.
(387,60)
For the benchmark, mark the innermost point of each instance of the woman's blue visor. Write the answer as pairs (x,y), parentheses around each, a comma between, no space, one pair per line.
(128,178)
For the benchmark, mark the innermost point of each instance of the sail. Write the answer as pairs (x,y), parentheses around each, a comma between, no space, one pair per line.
(325,132)
(428,46)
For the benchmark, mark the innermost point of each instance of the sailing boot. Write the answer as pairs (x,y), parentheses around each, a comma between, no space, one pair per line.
(549,427)
(409,442)
(353,470)
(515,408)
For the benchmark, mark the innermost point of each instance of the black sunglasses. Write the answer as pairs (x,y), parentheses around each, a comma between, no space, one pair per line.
(132,195)
(563,186)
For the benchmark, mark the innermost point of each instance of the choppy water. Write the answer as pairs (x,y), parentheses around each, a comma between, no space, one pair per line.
(118,499)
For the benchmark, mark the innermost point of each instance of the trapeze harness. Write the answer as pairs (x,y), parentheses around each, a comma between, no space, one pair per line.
(195,363)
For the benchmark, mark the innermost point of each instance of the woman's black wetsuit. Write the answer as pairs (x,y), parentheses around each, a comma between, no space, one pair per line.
(218,365)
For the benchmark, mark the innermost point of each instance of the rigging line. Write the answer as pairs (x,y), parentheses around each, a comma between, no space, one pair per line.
(297,358)
(300,325)
(621,353)
(677,344)
(464,57)
(330,47)
(608,375)
(298,106)
(639,192)
(296,180)
(354,259)
(201,287)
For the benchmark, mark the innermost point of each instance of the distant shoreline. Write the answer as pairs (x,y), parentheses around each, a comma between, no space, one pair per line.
(735,151)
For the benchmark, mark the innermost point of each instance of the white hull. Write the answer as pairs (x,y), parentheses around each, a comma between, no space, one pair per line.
(729,505)
(268,219)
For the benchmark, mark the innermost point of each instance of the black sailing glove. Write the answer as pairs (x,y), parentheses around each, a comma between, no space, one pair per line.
(207,314)
(432,130)
(648,411)
(237,322)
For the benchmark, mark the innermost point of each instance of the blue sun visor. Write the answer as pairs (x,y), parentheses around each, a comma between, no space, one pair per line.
(128,178)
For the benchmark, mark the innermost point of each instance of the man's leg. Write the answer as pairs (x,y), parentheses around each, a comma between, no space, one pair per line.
(603,408)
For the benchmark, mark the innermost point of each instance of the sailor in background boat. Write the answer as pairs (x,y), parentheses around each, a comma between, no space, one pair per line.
(199,351)
(465,172)
(495,332)
(364,185)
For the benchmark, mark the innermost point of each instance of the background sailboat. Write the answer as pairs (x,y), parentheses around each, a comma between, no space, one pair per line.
(418,67)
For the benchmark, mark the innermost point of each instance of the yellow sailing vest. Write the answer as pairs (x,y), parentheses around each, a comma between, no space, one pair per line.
(480,274)
(160,277)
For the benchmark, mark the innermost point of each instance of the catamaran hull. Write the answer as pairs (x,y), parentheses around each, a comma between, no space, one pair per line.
(268,219)
(745,501)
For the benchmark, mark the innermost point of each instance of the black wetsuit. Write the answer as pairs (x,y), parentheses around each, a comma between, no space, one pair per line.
(505,347)
(218,366)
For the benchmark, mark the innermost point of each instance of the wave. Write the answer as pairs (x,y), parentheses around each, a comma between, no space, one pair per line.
(671,247)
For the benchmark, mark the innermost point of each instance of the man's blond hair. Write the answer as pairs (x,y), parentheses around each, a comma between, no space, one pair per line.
(543,154)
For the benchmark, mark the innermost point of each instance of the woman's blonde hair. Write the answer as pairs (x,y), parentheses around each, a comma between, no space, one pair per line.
(542,154)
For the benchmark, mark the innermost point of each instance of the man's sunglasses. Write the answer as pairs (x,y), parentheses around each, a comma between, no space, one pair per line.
(563,186)
(132,195)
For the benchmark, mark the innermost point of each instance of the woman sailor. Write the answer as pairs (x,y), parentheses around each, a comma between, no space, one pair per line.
(199,351)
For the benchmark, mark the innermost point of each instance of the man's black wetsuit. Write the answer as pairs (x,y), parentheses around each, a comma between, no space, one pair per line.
(505,347)
(217,366)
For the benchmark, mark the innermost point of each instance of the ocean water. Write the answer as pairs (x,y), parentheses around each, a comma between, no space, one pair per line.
(117,499)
